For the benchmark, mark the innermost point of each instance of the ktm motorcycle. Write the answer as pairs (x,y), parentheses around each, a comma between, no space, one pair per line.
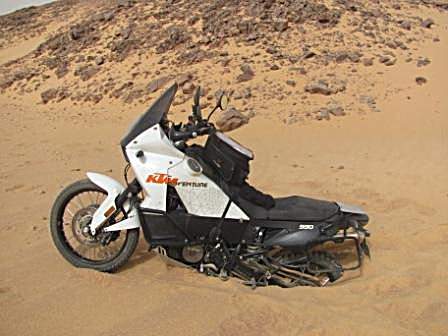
(195,207)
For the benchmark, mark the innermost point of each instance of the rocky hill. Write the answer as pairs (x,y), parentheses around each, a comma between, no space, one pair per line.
(264,52)
(345,101)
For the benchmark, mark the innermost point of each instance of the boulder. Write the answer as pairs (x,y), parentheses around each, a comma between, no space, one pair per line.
(427,23)
(188,88)
(388,60)
(325,88)
(231,119)
(49,95)
(247,73)
(421,80)
(335,109)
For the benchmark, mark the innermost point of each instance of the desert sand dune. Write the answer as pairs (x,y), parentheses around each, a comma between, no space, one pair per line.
(393,162)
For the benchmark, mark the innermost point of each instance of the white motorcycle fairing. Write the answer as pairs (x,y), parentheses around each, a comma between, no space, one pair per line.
(157,163)
(107,208)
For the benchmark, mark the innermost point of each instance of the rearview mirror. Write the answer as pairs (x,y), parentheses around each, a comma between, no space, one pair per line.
(223,101)
(196,106)
(197,96)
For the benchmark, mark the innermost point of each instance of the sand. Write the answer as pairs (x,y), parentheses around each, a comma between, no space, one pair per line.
(393,163)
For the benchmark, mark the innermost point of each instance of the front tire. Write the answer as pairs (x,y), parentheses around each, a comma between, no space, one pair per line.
(82,249)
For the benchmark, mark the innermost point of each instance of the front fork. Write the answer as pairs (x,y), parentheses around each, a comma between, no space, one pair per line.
(118,200)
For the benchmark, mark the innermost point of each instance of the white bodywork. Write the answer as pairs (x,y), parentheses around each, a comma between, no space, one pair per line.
(159,159)
(113,189)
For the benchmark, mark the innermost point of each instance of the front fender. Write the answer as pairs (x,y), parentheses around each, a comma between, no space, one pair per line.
(108,207)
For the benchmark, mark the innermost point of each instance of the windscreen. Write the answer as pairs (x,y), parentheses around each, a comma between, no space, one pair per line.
(156,112)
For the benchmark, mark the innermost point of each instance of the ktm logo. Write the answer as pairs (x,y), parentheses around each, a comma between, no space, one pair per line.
(162,179)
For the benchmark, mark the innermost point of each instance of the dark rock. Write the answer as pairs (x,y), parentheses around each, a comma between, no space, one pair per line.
(367,61)
(76,32)
(246,68)
(194,55)
(188,88)
(61,70)
(86,72)
(343,56)
(6,82)
(325,88)
(108,16)
(427,23)
(132,95)
(99,60)
(421,80)
(271,50)
(388,60)
(301,70)
(323,113)
(293,59)
(308,54)
(57,94)
(231,119)
(93,98)
(354,56)
(125,33)
(320,87)
(406,25)
(336,109)
(175,35)
(291,82)
(125,3)
(369,101)
(193,19)
(421,62)
(280,25)
(49,95)
(247,74)
(225,61)
(117,93)
(274,67)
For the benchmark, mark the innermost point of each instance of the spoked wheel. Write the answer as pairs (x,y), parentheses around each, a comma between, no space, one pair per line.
(69,223)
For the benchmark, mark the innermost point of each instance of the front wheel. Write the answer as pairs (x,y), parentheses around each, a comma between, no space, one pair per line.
(70,217)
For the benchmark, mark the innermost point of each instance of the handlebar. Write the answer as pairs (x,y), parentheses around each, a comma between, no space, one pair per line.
(192,132)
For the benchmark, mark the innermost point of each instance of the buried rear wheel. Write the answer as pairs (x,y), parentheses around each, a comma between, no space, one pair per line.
(321,262)
(69,225)
(317,268)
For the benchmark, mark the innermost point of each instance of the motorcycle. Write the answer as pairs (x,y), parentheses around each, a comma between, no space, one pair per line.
(195,208)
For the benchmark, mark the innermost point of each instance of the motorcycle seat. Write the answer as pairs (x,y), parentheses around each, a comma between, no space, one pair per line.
(302,209)
(292,208)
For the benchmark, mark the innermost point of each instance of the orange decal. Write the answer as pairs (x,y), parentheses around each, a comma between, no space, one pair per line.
(162,179)
(109,211)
